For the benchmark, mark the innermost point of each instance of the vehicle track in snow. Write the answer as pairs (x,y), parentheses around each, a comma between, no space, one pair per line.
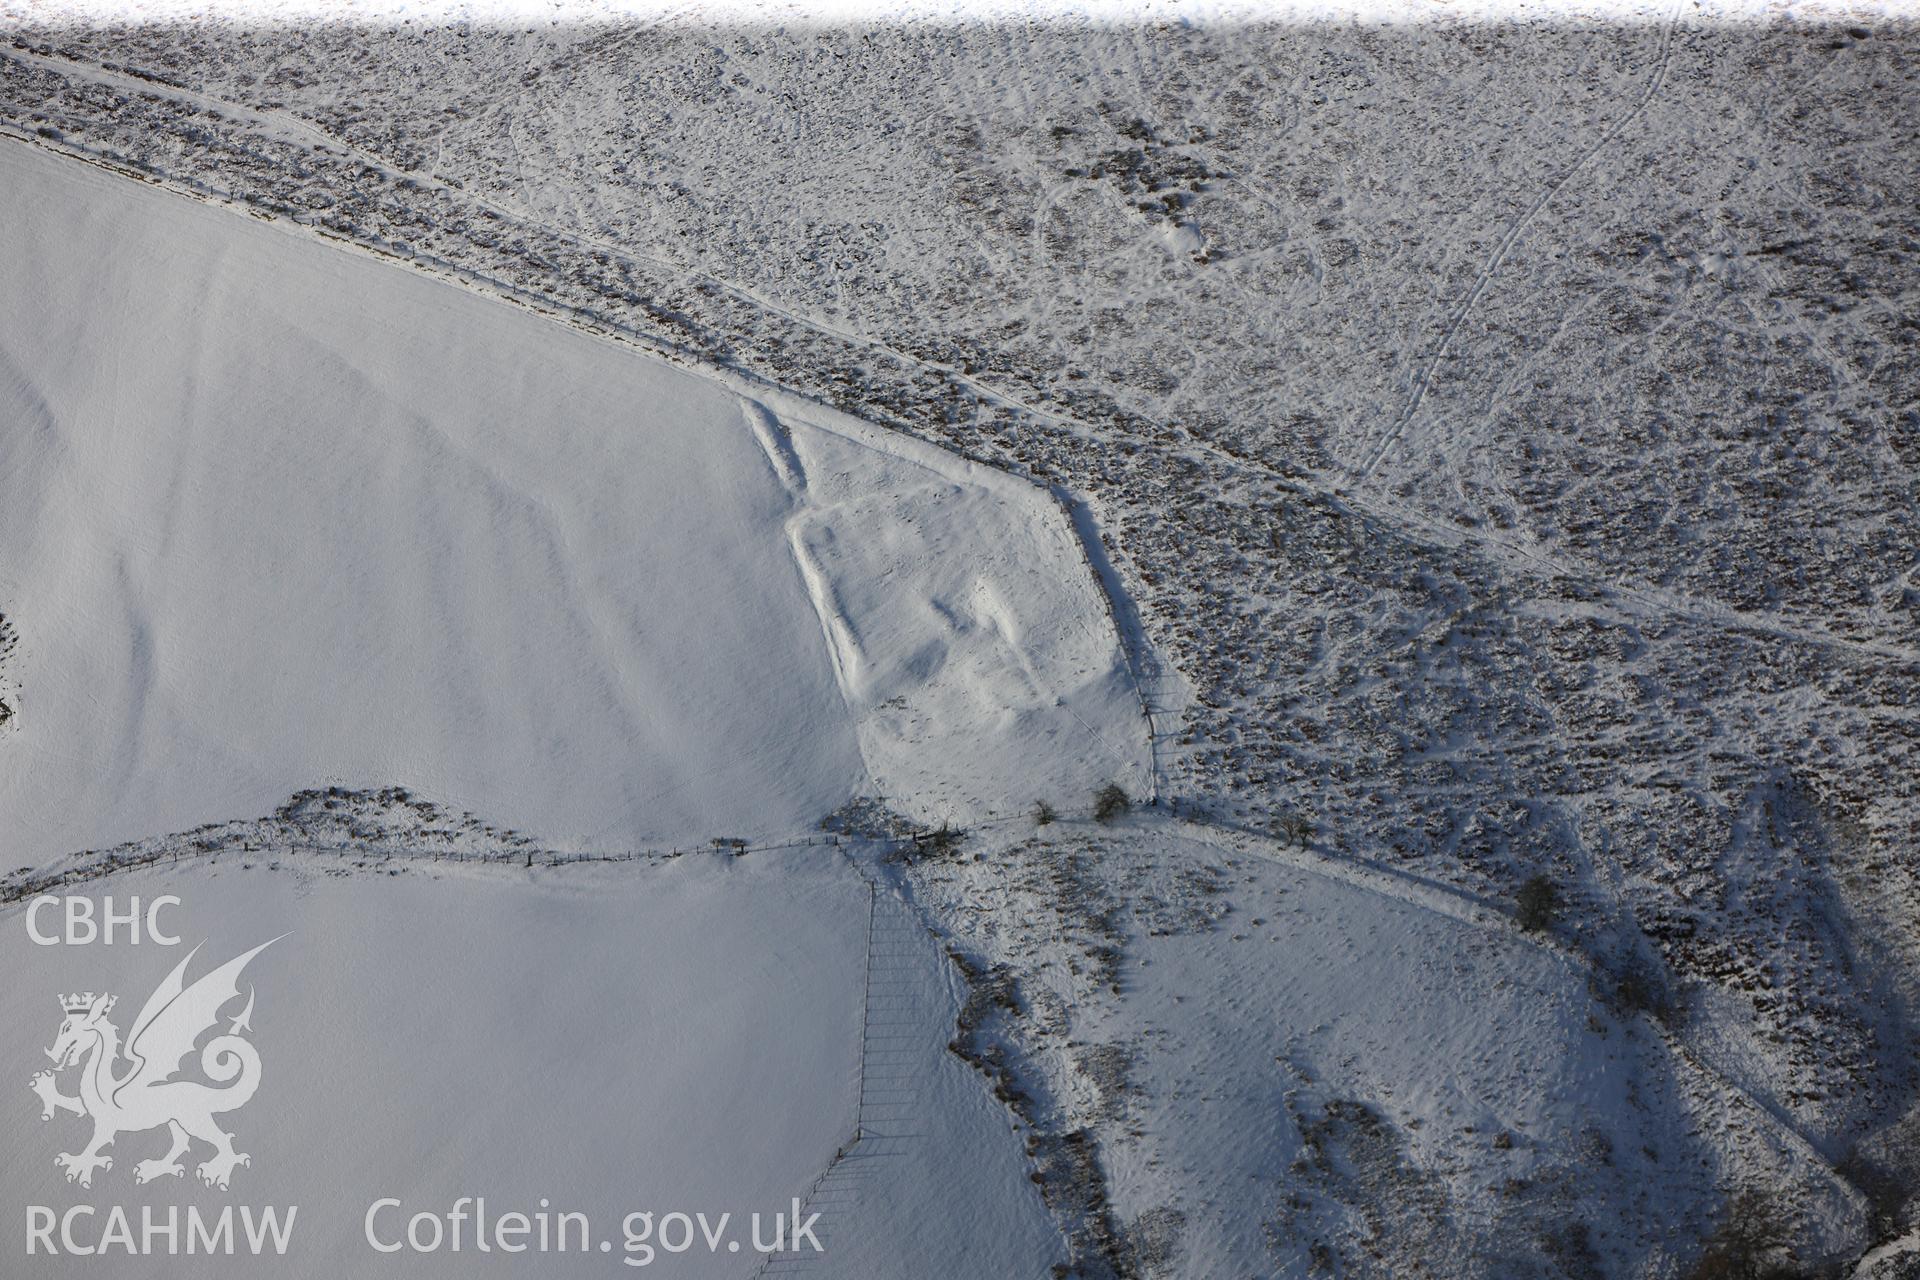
(1423,378)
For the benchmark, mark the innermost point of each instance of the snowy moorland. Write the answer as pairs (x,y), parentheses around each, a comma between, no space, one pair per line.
(1464,469)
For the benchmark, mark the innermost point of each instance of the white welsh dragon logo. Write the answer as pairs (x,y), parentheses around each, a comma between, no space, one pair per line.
(145,1095)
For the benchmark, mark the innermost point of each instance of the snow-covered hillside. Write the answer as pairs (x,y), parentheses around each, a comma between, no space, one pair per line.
(274,515)
(1463,467)
(1281,1058)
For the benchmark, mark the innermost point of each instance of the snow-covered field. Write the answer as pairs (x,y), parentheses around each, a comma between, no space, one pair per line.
(274,515)
(277,514)
(1460,463)
(684,1035)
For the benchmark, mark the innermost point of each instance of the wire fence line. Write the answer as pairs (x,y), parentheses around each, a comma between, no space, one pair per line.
(904,834)
(38,882)
(836,1188)
(111,862)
